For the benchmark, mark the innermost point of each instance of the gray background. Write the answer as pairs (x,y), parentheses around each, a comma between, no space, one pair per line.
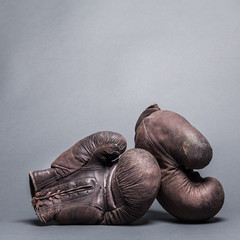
(71,68)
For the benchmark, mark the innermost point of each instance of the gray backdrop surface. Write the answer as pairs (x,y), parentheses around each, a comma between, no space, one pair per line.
(71,68)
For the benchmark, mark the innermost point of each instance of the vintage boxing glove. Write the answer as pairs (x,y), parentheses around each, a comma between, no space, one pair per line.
(179,148)
(87,184)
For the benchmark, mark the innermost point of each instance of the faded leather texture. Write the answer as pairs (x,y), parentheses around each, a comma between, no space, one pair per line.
(88,184)
(179,148)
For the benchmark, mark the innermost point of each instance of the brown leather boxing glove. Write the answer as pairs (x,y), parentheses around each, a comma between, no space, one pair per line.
(179,148)
(87,184)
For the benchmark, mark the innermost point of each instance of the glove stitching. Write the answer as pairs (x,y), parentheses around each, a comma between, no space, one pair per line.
(164,152)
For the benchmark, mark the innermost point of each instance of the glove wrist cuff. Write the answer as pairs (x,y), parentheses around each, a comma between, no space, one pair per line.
(41,178)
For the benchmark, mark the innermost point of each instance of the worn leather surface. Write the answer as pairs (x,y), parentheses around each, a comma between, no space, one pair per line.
(88,184)
(179,148)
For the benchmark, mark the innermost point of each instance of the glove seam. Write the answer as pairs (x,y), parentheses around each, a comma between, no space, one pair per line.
(164,152)
(120,190)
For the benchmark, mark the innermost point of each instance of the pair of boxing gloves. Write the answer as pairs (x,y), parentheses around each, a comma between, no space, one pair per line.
(96,182)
